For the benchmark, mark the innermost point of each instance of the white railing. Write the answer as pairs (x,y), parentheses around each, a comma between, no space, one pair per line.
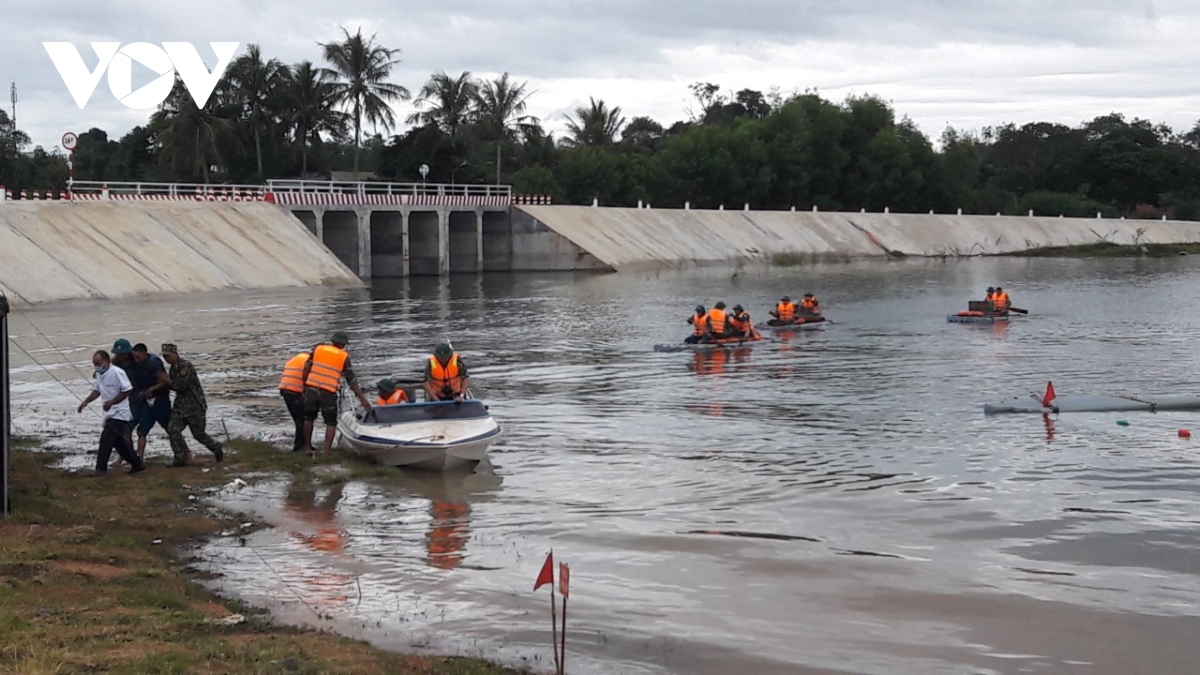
(173,190)
(397,189)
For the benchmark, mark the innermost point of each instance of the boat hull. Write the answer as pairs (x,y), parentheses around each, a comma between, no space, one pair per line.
(706,346)
(432,441)
(1093,403)
(958,318)
(805,325)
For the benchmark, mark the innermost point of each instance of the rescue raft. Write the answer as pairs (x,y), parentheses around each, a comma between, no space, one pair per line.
(727,343)
(807,322)
(976,317)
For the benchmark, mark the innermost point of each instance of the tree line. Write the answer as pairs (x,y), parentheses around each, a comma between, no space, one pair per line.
(268,119)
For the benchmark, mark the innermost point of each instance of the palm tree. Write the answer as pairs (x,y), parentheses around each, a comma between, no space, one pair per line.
(257,84)
(359,72)
(190,135)
(500,106)
(310,102)
(450,101)
(595,125)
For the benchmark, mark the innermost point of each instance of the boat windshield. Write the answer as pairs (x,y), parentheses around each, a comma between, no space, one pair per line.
(420,412)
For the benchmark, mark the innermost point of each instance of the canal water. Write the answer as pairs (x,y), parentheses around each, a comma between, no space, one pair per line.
(834,501)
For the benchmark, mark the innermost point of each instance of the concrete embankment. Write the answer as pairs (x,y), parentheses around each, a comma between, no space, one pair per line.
(632,239)
(61,250)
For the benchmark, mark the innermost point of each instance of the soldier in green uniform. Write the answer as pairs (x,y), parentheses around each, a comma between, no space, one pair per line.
(189,410)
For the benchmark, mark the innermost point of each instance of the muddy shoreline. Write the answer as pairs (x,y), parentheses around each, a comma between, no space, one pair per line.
(96,577)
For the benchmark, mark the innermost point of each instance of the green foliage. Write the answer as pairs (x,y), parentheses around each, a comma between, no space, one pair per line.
(268,120)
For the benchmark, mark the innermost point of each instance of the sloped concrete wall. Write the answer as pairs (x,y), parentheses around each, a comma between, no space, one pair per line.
(631,239)
(61,250)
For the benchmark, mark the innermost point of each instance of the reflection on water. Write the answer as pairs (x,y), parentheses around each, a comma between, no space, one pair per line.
(830,498)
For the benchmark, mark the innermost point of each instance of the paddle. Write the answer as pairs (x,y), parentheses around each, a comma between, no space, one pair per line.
(1018,310)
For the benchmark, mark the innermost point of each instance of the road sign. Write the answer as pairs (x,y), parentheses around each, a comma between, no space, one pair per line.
(70,141)
(424,169)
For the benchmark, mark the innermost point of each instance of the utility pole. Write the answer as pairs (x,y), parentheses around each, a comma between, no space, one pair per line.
(12,95)
(497,162)
(5,409)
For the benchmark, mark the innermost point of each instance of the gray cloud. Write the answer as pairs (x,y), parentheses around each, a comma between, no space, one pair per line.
(967,62)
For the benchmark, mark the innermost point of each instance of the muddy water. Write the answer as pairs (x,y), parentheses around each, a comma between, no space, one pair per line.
(832,502)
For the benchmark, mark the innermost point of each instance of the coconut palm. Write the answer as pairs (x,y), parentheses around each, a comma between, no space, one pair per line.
(594,125)
(449,101)
(500,107)
(257,85)
(310,105)
(190,136)
(359,72)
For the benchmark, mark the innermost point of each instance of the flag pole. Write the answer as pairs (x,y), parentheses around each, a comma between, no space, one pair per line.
(563,659)
(558,670)
(564,584)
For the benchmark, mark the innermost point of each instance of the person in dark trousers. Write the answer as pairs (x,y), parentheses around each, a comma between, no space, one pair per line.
(190,409)
(291,388)
(151,398)
(112,385)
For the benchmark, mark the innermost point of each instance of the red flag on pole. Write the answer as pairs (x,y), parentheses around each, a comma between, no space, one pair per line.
(546,576)
(1049,394)
(564,579)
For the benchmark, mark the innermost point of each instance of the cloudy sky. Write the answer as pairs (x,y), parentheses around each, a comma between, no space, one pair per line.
(965,63)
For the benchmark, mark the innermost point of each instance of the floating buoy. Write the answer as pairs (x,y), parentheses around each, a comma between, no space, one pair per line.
(1122,423)
(1184,433)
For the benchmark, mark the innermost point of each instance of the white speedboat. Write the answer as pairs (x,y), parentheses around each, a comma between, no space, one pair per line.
(437,435)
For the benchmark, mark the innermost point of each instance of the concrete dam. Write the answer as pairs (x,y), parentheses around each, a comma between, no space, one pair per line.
(123,245)
(60,250)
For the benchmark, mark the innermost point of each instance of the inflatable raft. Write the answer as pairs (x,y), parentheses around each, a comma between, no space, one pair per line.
(1093,403)
(706,346)
(976,317)
(800,323)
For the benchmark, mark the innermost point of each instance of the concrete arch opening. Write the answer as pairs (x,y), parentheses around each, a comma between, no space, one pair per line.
(341,237)
(497,241)
(387,244)
(309,218)
(424,243)
(463,246)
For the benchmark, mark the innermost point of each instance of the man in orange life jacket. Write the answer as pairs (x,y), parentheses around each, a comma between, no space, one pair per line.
(784,312)
(291,388)
(809,304)
(327,366)
(718,324)
(1000,301)
(699,322)
(740,322)
(389,394)
(445,375)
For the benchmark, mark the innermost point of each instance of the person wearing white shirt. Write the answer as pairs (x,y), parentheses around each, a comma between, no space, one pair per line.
(112,385)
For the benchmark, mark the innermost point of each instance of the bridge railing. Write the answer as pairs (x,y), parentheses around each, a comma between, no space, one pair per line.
(171,190)
(398,189)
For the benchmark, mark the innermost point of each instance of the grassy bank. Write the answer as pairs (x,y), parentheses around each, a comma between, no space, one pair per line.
(90,579)
(1110,250)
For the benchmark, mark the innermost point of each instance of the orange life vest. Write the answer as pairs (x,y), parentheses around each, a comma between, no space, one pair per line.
(1000,302)
(327,365)
(740,322)
(699,323)
(397,396)
(445,376)
(809,305)
(716,320)
(786,311)
(293,374)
